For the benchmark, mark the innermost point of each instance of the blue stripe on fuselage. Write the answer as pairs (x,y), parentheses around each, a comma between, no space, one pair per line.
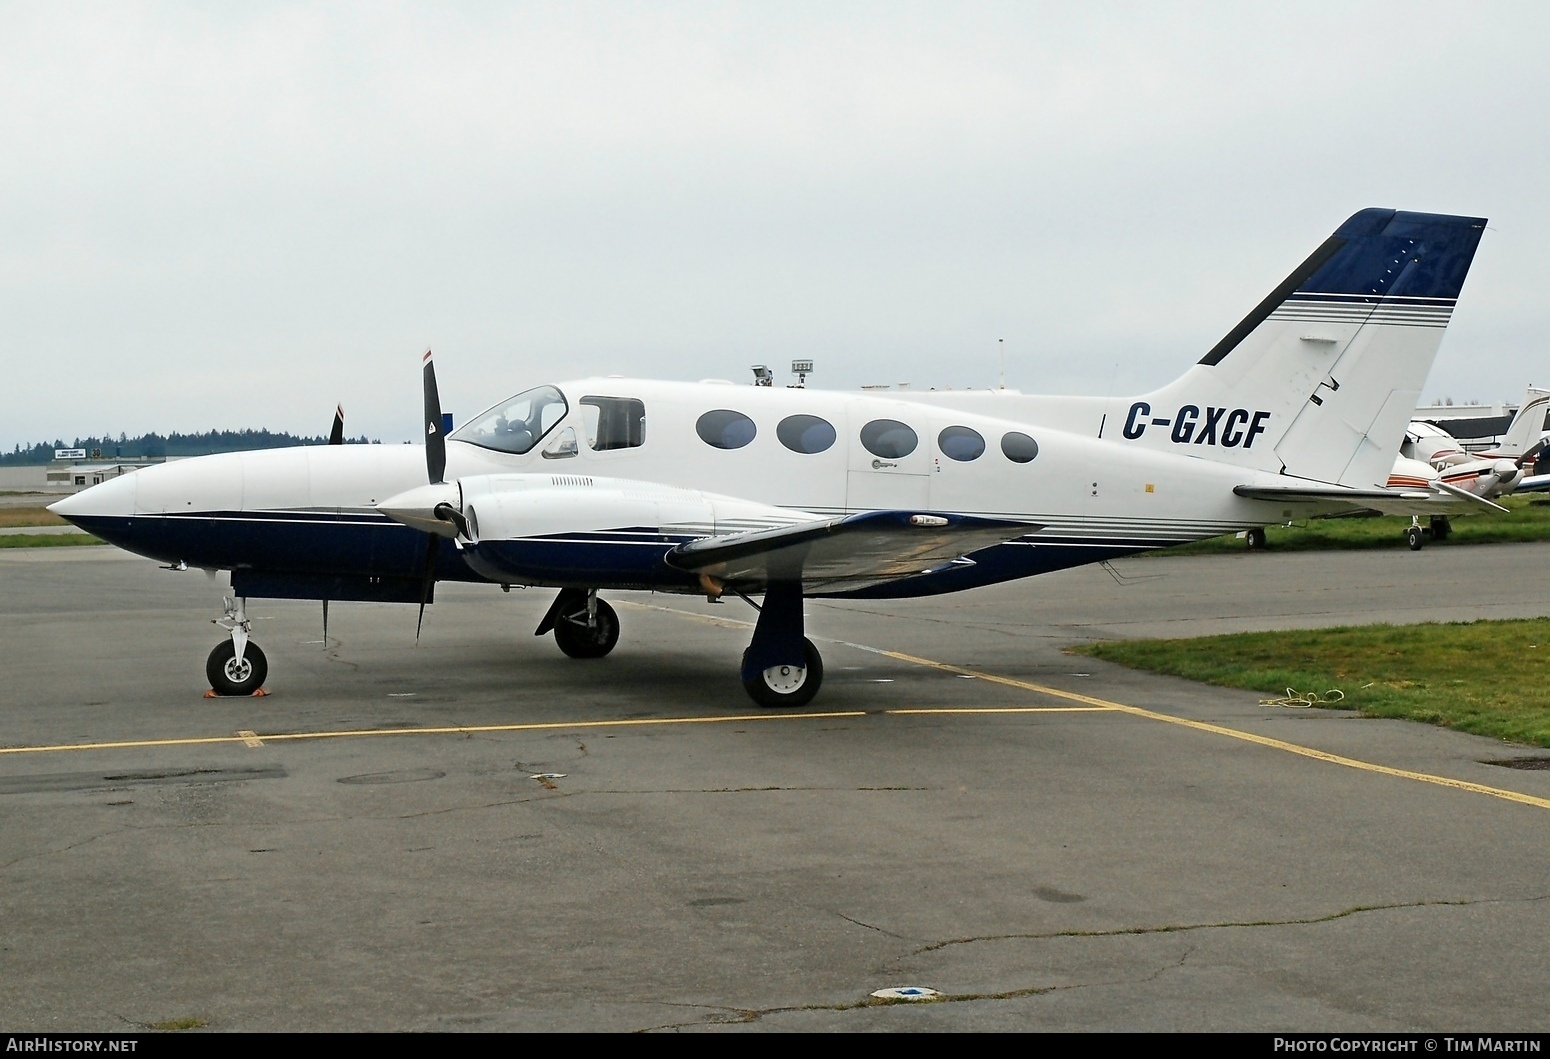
(346,544)
(364,545)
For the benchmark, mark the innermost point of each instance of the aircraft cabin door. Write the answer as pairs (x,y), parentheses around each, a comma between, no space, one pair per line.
(890,458)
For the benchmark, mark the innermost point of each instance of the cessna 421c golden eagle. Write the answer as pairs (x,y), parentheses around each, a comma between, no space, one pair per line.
(705,488)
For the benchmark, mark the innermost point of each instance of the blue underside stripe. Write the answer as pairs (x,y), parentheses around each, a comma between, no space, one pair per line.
(318,557)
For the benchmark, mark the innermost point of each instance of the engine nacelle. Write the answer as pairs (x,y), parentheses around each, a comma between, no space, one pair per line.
(522,506)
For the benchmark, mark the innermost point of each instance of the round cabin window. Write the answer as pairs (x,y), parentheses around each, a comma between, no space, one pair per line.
(725,429)
(1019,448)
(888,439)
(804,433)
(961,443)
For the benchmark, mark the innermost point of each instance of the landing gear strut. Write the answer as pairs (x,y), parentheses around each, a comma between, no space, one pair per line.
(583,625)
(781,667)
(237,666)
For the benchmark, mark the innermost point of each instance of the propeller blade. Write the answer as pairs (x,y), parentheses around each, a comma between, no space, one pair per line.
(336,435)
(429,579)
(435,444)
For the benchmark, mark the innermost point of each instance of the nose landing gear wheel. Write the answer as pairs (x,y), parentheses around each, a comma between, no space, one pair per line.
(228,676)
(788,686)
(1413,538)
(580,640)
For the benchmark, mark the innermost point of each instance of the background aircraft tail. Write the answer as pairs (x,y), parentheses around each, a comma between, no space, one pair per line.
(1527,427)
(1321,379)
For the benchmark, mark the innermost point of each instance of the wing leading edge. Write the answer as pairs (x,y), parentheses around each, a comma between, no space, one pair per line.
(851,550)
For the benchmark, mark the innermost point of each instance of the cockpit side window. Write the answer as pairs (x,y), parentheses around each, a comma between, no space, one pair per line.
(613,422)
(562,446)
(516,425)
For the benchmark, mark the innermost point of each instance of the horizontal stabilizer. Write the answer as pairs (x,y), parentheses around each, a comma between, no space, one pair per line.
(1444,499)
(851,550)
(1323,492)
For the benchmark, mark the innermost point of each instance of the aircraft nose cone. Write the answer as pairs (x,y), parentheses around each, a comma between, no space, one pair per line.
(114,498)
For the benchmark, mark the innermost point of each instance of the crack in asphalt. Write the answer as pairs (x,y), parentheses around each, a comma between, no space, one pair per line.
(743,1016)
(1175,928)
(66,849)
(873,926)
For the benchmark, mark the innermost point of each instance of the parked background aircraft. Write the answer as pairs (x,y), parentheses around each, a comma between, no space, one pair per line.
(709,488)
(1462,481)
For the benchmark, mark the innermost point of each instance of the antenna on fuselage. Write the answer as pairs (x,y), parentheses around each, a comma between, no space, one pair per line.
(801,369)
(1001,345)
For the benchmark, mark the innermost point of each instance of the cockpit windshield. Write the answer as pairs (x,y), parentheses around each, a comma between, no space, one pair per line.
(517,424)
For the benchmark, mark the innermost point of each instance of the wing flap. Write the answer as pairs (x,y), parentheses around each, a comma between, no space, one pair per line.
(853,550)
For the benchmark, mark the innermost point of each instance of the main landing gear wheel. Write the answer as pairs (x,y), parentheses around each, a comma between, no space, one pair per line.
(228,676)
(580,640)
(1256,539)
(1413,538)
(788,686)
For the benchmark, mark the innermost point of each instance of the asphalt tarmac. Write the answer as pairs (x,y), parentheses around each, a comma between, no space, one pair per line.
(477,833)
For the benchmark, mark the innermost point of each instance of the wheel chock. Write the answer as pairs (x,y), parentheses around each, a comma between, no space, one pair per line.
(260,693)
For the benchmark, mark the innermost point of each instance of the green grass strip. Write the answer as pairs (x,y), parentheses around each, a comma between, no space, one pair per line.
(47,540)
(1483,677)
(1527,519)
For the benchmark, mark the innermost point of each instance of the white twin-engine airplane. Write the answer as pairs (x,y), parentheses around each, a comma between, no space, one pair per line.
(706,488)
(1456,481)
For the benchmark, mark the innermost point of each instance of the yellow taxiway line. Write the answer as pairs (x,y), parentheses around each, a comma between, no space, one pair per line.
(1002,709)
(249,738)
(1215,729)
(1089,704)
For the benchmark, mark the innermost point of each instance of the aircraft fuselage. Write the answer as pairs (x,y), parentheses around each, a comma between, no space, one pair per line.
(305,522)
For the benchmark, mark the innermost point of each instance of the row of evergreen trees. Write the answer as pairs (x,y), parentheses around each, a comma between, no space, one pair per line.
(161,445)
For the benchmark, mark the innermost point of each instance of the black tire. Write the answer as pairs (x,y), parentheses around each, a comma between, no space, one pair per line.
(785,686)
(1441,527)
(1256,539)
(227,677)
(1413,538)
(580,640)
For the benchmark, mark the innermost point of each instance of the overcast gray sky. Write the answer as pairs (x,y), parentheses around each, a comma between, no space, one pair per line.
(224,215)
